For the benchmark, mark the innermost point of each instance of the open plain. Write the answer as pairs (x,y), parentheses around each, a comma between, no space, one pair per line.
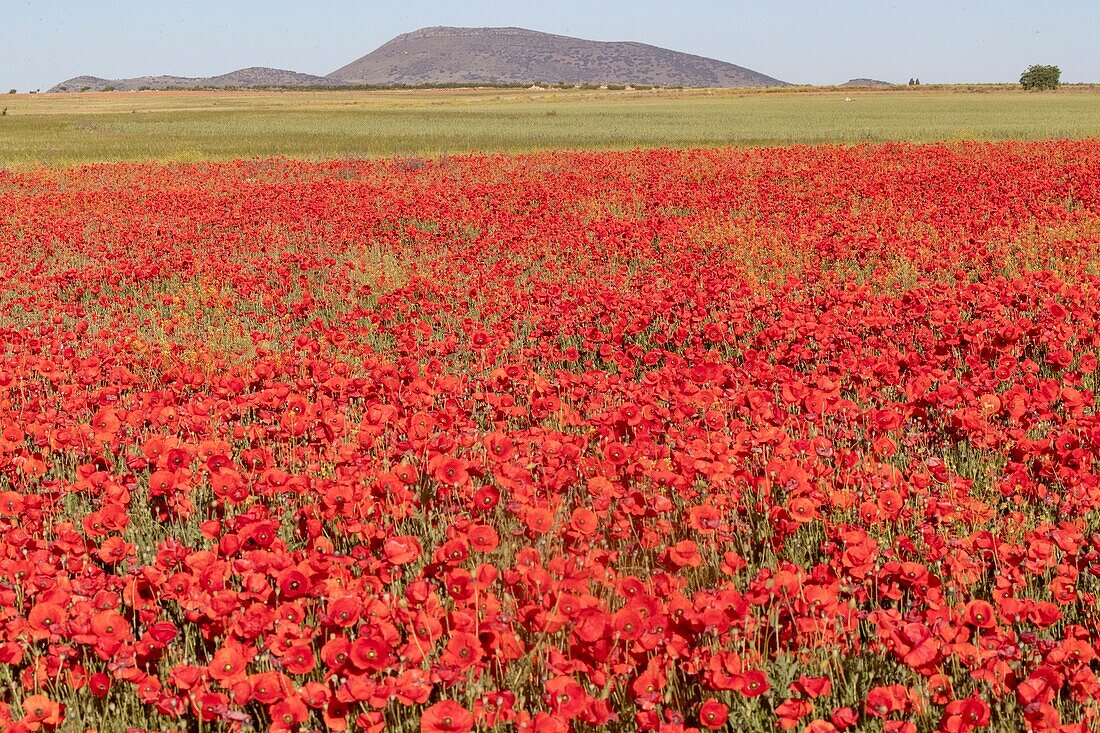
(66,129)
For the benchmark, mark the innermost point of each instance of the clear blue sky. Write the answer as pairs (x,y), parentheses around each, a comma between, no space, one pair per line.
(43,42)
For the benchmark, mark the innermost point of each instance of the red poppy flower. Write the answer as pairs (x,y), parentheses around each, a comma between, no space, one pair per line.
(268,687)
(617,453)
(293,583)
(685,554)
(369,654)
(483,538)
(402,550)
(46,619)
(486,498)
(752,683)
(463,650)
(99,684)
(539,521)
(628,624)
(446,717)
(713,714)
(962,716)
(227,665)
(342,612)
(791,711)
(584,521)
(448,470)
(980,614)
(299,660)
(406,474)
(288,714)
(39,710)
(812,687)
(567,698)
(499,447)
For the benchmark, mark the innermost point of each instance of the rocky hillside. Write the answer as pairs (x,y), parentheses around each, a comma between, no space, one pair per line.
(475,56)
(516,55)
(252,77)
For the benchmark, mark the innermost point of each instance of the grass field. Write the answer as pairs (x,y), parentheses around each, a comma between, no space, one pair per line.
(80,128)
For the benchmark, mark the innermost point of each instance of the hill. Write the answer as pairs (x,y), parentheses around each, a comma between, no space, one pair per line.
(516,55)
(865,82)
(260,76)
(252,77)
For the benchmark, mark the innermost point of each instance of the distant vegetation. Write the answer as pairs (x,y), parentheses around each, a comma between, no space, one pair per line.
(1041,77)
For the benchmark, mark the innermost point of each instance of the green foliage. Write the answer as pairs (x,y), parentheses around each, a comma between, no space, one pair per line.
(1038,76)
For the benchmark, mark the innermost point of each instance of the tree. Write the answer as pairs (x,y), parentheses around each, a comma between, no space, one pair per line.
(1038,76)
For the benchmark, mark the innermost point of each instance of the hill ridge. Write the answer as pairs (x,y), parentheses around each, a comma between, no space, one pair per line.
(450,54)
(456,55)
(248,77)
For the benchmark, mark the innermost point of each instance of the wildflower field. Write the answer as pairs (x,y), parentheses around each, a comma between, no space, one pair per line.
(783,438)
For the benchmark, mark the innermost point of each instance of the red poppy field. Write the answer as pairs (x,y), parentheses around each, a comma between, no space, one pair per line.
(800,439)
